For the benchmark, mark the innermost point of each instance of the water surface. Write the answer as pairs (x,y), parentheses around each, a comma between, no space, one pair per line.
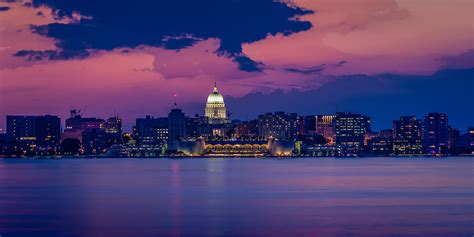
(237,197)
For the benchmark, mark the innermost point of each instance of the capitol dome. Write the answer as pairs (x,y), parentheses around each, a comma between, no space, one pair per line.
(215,97)
(215,110)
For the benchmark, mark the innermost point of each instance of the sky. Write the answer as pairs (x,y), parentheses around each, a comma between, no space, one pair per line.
(383,58)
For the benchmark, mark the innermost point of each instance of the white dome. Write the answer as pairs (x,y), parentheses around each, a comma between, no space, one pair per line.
(215,97)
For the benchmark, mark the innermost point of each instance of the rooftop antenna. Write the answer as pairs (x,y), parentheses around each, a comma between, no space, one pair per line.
(175,104)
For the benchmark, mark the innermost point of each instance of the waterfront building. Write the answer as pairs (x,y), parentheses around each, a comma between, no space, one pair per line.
(454,141)
(151,131)
(76,124)
(236,148)
(435,133)
(467,141)
(113,130)
(380,146)
(35,134)
(319,150)
(350,129)
(176,127)
(94,141)
(325,127)
(21,127)
(407,133)
(279,125)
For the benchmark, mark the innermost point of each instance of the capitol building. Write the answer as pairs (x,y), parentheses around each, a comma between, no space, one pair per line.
(215,110)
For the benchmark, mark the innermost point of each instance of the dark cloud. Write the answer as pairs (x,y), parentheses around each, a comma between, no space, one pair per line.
(111,24)
(35,55)
(316,69)
(463,60)
(383,97)
(3,8)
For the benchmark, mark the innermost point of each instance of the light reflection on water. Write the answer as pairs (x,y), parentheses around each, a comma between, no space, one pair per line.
(237,197)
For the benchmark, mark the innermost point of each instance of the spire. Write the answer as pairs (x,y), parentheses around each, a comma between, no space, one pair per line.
(215,87)
(175,104)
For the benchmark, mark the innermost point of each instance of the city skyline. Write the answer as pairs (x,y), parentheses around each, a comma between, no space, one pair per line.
(204,112)
(215,134)
(340,56)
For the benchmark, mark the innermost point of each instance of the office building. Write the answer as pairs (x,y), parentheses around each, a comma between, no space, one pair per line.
(407,132)
(325,127)
(435,133)
(279,125)
(350,129)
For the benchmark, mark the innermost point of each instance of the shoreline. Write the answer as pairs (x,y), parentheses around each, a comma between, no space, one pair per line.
(235,157)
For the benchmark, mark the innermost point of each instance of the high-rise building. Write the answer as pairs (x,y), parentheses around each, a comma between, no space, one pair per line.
(151,131)
(435,133)
(325,127)
(279,125)
(350,129)
(22,127)
(113,125)
(215,109)
(467,141)
(35,131)
(454,140)
(49,130)
(94,141)
(76,124)
(197,126)
(407,136)
(176,127)
(113,130)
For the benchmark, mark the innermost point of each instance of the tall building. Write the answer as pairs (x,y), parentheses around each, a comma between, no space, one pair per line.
(176,128)
(197,126)
(351,129)
(325,127)
(94,141)
(407,133)
(454,140)
(468,140)
(151,131)
(279,125)
(33,131)
(76,124)
(215,108)
(435,133)
(113,130)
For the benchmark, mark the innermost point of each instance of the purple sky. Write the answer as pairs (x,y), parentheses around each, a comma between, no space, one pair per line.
(130,58)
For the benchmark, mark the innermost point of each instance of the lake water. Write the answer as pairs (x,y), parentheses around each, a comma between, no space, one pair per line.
(237,197)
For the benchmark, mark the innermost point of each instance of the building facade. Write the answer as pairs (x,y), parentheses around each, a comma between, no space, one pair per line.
(176,127)
(35,134)
(350,129)
(407,133)
(435,133)
(279,125)
(325,127)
